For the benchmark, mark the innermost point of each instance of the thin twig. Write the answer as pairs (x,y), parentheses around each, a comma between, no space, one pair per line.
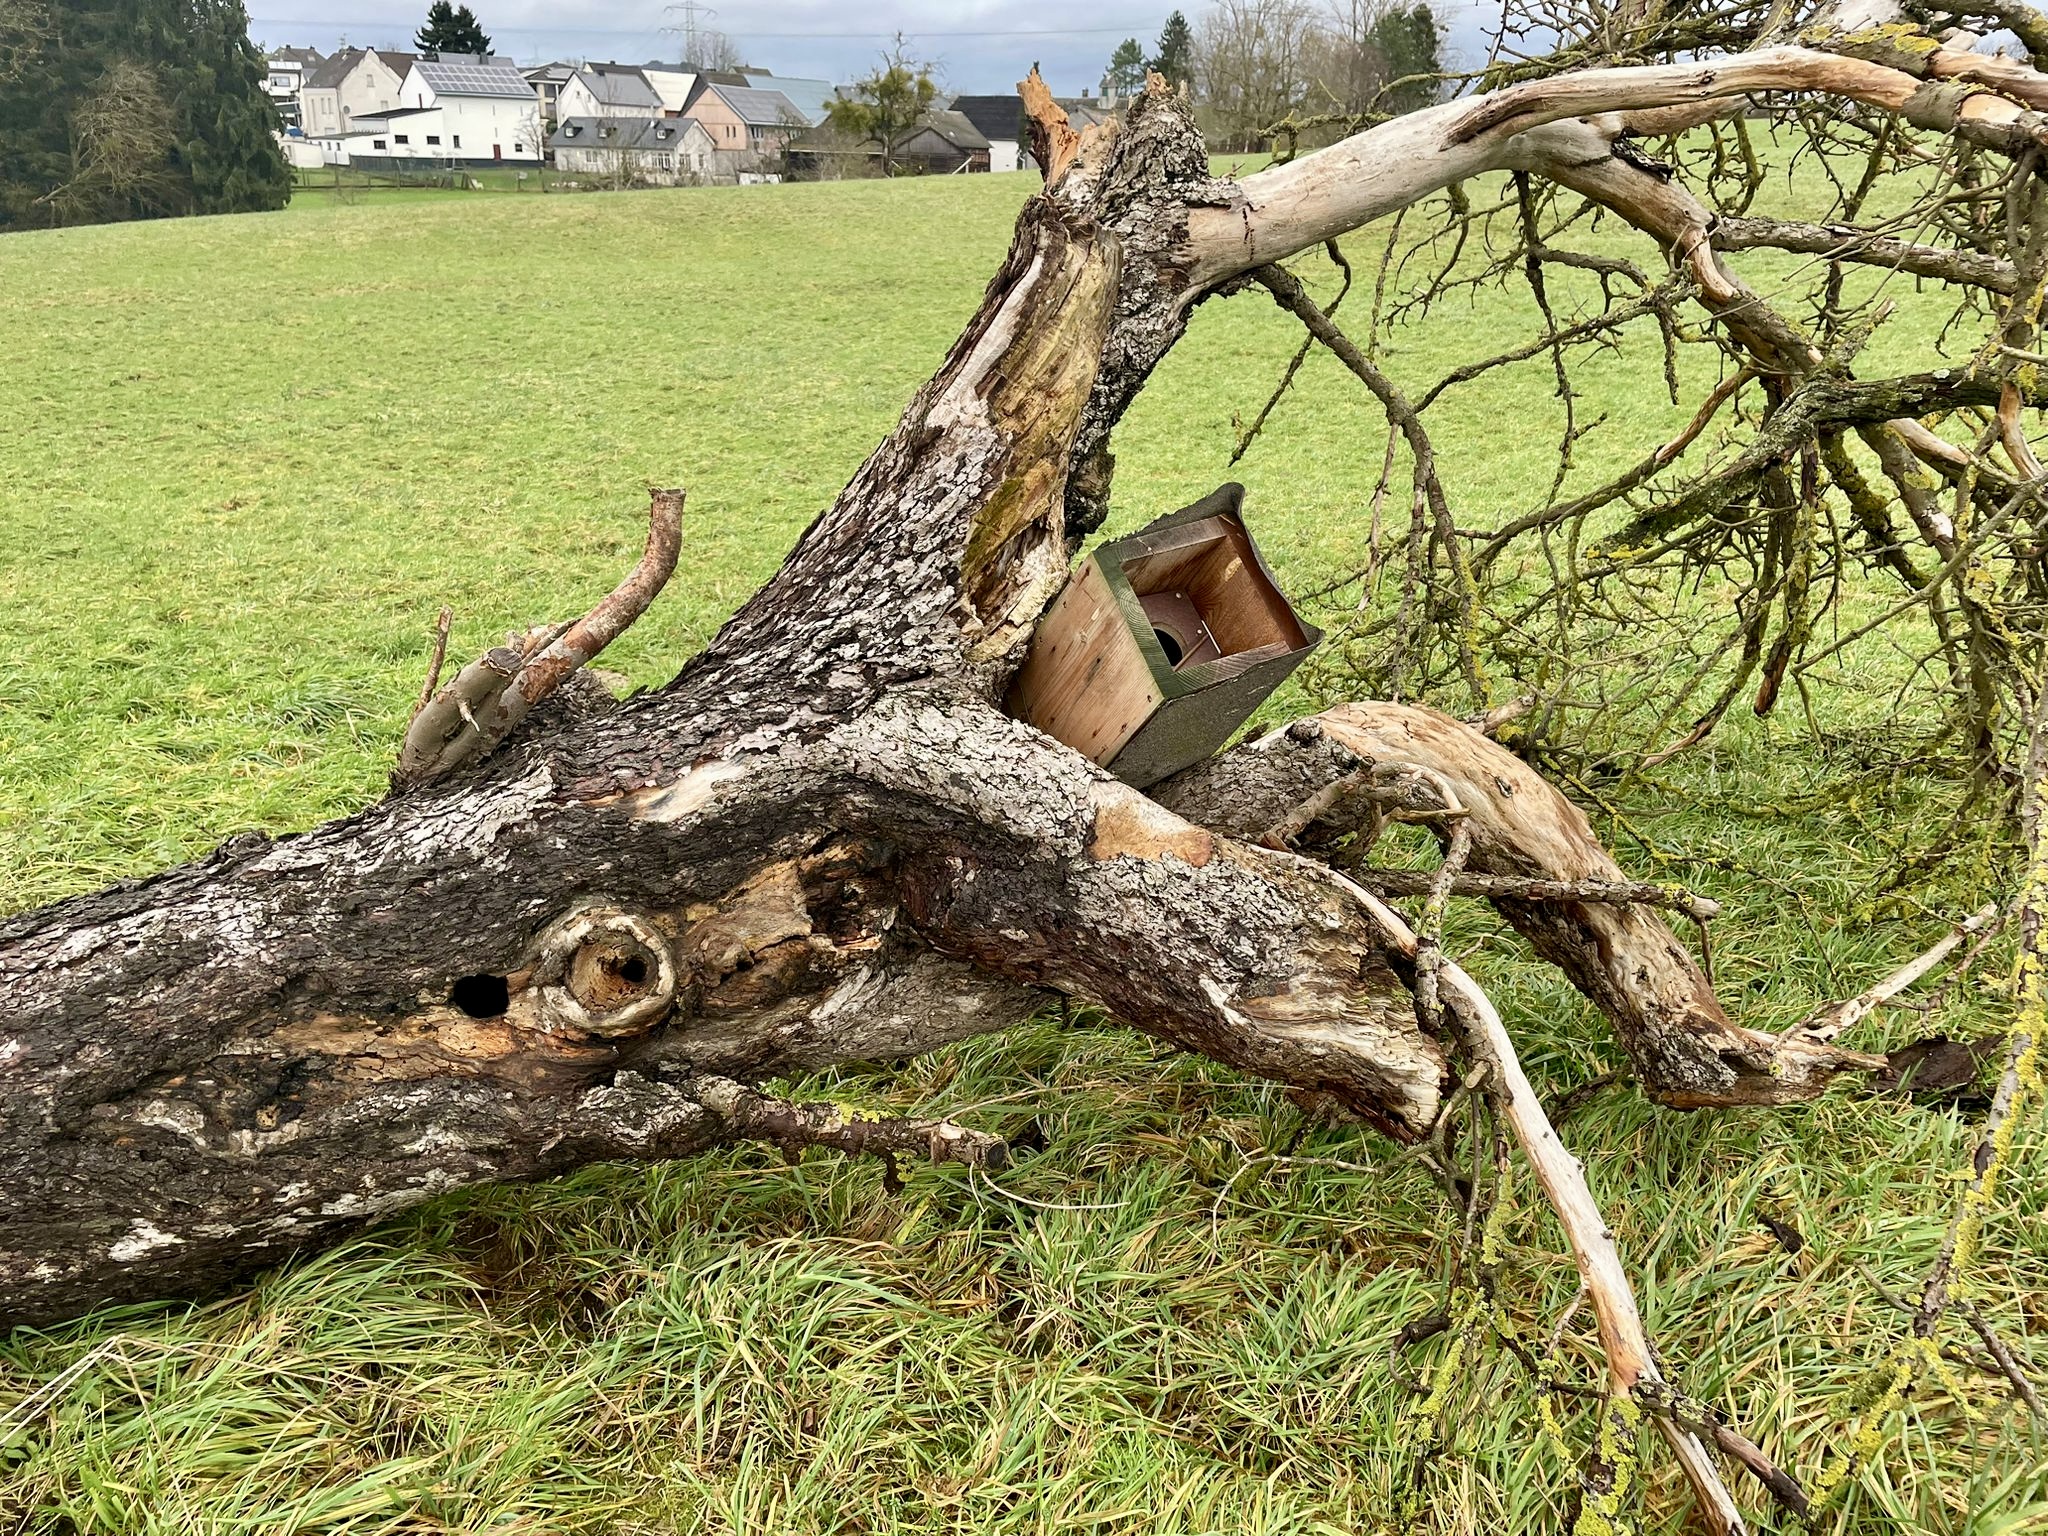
(1617,893)
(1829,1021)
(1630,1362)
(439,655)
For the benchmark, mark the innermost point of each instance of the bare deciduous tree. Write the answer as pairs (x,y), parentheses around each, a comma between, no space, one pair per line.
(122,140)
(1252,65)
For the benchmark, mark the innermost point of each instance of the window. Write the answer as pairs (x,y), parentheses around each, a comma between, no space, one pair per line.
(518,149)
(402,138)
(433,138)
(378,144)
(458,141)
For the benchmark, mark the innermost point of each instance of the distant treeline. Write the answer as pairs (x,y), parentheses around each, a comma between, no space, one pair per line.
(133,109)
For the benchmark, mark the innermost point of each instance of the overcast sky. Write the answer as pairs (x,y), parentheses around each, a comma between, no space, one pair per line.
(978,47)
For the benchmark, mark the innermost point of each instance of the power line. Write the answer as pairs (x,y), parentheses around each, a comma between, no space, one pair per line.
(361,24)
(691,35)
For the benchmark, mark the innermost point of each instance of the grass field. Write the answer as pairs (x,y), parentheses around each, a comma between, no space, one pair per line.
(247,461)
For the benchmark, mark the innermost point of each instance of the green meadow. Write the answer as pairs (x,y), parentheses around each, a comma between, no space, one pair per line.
(247,460)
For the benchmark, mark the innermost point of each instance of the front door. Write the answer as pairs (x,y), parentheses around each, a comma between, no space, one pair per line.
(497,152)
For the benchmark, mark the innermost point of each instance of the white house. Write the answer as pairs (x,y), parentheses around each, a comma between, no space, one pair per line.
(285,75)
(651,151)
(352,82)
(607,90)
(404,134)
(485,113)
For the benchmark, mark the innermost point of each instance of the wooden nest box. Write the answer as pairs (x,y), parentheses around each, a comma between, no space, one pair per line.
(1162,644)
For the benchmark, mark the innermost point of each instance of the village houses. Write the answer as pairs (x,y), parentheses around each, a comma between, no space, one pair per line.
(611,124)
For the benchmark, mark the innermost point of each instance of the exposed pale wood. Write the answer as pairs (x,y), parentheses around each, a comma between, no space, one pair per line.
(1084,681)
(1830,1021)
(1054,144)
(1631,1364)
(1624,957)
(1298,205)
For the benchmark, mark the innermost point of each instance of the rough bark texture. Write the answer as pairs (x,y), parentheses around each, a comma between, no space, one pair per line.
(821,843)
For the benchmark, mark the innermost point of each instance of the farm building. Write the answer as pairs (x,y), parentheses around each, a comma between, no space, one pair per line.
(943,143)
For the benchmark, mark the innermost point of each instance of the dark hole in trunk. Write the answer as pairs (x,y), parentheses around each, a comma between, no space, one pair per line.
(481,997)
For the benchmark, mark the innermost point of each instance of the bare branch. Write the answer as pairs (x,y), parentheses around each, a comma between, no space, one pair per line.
(489,698)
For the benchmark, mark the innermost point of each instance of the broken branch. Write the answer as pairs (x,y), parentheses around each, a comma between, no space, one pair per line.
(490,697)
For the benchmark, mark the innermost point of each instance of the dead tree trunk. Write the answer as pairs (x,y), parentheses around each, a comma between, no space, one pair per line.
(824,841)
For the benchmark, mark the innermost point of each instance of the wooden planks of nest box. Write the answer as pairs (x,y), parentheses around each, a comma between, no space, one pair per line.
(1162,644)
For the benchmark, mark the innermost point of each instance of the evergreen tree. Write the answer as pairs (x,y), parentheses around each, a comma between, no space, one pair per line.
(451,29)
(1175,54)
(1126,73)
(1410,42)
(134,109)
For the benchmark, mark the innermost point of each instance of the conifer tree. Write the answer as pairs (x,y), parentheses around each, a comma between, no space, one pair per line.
(1175,53)
(134,109)
(452,29)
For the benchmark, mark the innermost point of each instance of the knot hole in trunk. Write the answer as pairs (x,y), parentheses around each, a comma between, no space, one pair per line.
(603,971)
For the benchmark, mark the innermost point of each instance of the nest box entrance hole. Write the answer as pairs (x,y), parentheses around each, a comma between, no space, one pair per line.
(1207,599)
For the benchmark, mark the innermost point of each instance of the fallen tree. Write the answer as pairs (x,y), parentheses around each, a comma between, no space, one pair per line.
(578,931)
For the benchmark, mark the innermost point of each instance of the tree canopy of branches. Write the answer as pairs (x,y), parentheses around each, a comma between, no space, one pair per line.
(451,28)
(716,50)
(580,930)
(135,109)
(885,103)
(1259,63)
(1252,62)
(703,47)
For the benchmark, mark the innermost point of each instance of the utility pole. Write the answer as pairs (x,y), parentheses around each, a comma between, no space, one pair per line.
(691,11)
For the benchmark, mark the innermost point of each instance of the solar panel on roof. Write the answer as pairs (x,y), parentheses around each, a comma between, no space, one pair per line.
(475,80)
